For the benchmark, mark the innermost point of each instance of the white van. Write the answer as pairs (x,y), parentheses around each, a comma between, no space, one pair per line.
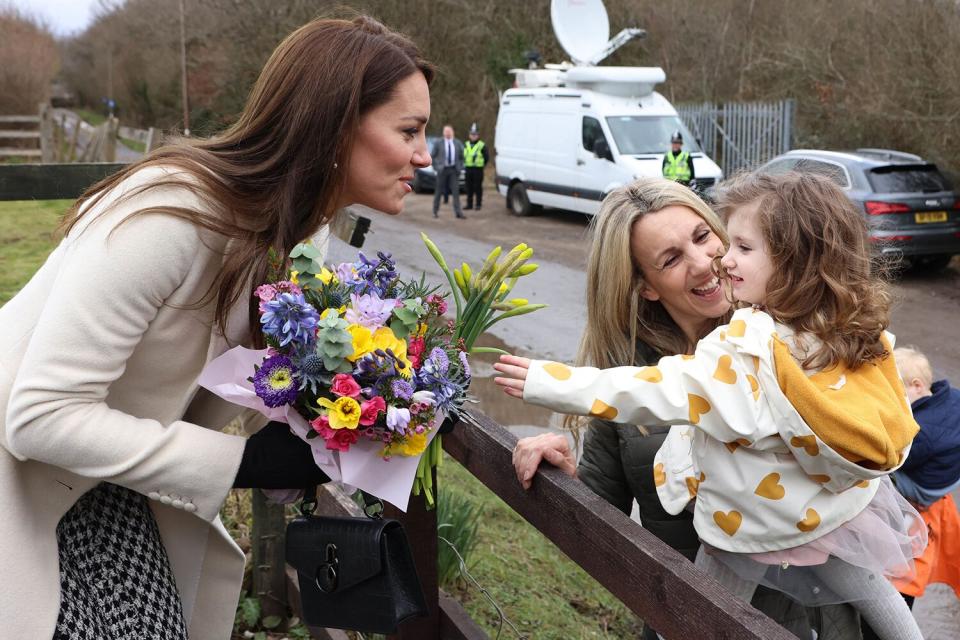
(569,133)
(568,146)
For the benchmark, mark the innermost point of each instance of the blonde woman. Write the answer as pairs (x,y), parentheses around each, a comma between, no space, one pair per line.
(651,292)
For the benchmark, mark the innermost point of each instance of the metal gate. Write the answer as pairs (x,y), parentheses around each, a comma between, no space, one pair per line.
(741,135)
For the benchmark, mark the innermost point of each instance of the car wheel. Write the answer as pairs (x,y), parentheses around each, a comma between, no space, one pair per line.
(518,202)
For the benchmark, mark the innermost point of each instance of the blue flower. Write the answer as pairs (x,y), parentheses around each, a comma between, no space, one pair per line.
(401,389)
(275,383)
(290,318)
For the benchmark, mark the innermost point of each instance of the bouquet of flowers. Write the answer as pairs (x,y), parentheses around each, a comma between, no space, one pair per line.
(363,365)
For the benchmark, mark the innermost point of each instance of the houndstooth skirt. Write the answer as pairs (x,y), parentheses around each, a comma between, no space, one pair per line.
(115,577)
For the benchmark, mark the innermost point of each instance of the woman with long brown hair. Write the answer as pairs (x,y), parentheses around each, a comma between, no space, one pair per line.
(113,468)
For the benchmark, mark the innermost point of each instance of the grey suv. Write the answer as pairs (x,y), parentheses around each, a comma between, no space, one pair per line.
(911,208)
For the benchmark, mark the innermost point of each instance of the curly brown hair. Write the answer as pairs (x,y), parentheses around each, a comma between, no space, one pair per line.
(825,281)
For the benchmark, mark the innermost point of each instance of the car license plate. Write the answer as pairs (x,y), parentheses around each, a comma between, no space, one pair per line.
(923,217)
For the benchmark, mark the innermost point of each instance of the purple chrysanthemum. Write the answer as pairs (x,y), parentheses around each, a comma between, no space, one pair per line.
(290,318)
(274,382)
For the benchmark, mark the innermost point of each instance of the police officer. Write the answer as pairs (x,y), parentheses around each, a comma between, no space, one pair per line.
(475,157)
(677,163)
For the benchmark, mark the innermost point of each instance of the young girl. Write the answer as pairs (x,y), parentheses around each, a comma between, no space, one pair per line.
(796,413)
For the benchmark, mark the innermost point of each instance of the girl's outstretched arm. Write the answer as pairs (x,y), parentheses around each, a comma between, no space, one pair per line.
(514,370)
(716,390)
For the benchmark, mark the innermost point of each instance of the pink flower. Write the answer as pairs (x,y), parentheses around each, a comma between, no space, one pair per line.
(415,349)
(345,385)
(322,426)
(266,293)
(285,286)
(370,409)
(342,439)
(438,302)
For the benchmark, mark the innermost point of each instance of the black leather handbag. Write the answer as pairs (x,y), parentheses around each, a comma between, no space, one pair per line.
(354,573)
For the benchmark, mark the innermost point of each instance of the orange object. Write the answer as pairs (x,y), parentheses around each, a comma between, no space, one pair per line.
(940,561)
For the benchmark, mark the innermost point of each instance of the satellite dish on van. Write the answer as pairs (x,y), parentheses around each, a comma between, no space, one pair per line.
(581,26)
(583,30)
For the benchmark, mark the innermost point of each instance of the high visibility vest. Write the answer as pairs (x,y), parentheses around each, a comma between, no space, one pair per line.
(473,154)
(675,167)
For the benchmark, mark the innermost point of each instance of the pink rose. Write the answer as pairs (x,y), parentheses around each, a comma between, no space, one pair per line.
(322,426)
(370,409)
(345,385)
(266,293)
(342,439)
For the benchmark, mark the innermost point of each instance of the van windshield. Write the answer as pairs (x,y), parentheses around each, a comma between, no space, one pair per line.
(637,135)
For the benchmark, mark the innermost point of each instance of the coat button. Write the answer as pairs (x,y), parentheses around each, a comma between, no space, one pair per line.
(165,499)
(190,507)
(153,495)
(177,503)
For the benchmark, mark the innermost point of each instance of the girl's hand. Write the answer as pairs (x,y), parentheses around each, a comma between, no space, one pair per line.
(552,447)
(514,370)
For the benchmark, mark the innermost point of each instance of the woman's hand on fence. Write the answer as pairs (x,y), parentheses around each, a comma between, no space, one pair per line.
(552,447)
(514,369)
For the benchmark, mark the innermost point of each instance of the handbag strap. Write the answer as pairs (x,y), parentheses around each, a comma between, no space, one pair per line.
(372,505)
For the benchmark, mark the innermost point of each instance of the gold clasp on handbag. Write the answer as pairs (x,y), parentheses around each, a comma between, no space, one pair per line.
(326,577)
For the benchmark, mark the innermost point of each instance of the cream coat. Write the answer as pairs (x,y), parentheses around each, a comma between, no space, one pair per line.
(764,480)
(98,370)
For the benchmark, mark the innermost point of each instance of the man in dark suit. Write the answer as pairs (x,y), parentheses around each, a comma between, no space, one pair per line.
(447,155)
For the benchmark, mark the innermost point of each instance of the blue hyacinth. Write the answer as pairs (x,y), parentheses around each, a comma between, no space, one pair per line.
(290,318)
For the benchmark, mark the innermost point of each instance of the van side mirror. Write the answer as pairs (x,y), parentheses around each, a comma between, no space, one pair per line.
(602,150)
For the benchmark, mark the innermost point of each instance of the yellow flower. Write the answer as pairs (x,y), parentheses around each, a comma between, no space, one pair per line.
(362,341)
(414,445)
(518,302)
(384,338)
(326,276)
(294,277)
(329,310)
(343,414)
(503,289)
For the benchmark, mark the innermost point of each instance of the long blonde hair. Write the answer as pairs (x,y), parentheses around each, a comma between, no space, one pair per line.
(617,315)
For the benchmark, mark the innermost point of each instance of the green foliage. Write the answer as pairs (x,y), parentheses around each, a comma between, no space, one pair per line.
(334,342)
(457,520)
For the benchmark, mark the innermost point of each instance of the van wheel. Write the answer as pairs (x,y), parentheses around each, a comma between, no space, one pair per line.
(933,264)
(518,202)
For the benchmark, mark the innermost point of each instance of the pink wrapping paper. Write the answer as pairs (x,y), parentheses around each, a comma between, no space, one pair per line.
(360,467)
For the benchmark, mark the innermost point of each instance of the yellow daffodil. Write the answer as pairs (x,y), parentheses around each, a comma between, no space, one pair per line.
(518,302)
(294,277)
(414,445)
(362,341)
(344,413)
(326,276)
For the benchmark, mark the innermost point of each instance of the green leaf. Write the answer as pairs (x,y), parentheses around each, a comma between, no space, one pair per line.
(250,611)
(399,328)
(272,622)
(260,635)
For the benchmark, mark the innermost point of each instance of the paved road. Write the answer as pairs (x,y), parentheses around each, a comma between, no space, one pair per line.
(925,315)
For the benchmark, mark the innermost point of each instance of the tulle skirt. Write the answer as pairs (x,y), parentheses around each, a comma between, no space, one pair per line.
(877,544)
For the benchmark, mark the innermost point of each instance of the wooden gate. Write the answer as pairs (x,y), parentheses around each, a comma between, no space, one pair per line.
(741,135)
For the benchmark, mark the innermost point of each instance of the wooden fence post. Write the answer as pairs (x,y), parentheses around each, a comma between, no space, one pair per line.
(110,140)
(269,564)
(421,528)
(47,146)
